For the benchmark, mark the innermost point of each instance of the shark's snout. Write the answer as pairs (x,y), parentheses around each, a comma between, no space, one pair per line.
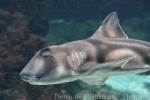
(32,71)
(40,66)
(26,76)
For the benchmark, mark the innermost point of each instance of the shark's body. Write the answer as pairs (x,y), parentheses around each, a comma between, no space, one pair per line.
(108,52)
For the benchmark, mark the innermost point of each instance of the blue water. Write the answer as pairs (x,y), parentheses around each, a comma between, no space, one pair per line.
(132,84)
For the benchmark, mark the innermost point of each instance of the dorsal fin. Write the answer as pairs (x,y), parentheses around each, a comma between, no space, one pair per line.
(110,28)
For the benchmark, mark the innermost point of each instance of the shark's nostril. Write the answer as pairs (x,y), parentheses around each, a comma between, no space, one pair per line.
(26,77)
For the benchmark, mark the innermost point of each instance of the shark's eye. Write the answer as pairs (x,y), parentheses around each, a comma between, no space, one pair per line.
(45,54)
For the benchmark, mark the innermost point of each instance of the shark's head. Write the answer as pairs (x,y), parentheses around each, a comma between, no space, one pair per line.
(58,64)
(48,66)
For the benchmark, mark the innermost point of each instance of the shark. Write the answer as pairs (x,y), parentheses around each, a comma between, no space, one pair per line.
(108,52)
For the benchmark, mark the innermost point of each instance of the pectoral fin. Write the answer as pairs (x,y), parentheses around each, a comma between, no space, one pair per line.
(94,80)
(97,74)
(88,66)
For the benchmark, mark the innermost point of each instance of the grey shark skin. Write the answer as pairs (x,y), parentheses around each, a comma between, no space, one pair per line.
(106,53)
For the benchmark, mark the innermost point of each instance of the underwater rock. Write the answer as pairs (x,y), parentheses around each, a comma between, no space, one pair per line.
(17,45)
